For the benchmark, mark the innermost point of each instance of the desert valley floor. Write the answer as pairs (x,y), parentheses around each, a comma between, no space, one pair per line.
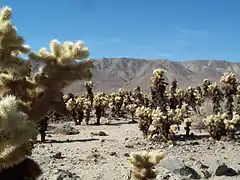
(92,155)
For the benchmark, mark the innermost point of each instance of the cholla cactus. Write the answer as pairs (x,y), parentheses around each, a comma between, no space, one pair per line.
(230,89)
(145,119)
(147,99)
(206,84)
(80,106)
(173,98)
(88,108)
(232,124)
(199,91)
(188,123)
(215,125)
(119,103)
(132,109)
(16,133)
(158,89)
(138,96)
(71,106)
(89,86)
(180,95)
(59,69)
(219,125)
(191,97)
(143,164)
(173,131)
(162,121)
(217,97)
(99,103)
(112,108)
(237,107)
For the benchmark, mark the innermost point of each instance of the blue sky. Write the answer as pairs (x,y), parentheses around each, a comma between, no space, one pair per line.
(153,29)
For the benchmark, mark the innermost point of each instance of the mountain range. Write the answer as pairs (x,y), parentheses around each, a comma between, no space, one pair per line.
(110,74)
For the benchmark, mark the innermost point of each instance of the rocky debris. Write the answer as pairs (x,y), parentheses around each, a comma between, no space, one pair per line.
(178,167)
(202,169)
(100,133)
(219,167)
(172,168)
(165,174)
(63,175)
(66,129)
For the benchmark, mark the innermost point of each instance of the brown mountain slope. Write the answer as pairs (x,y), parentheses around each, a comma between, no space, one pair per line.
(110,74)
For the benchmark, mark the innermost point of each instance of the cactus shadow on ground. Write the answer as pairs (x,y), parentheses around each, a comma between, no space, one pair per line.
(71,140)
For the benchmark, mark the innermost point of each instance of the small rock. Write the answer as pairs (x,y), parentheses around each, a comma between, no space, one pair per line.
(58,155)
(129,146)
(178,167)
(164,174)
(100,133)
(126,154)
(200,165)
(194,143)
(224,170)
(113,153)
(206,173)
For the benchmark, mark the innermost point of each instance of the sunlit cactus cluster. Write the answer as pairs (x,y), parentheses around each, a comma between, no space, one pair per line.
(159,112)
(219,125)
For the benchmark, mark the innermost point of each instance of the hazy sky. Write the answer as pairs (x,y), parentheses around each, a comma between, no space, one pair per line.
(173,29)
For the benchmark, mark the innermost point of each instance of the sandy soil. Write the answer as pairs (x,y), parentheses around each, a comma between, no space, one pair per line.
(94,157)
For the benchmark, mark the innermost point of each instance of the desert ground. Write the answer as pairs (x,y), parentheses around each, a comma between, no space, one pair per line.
(102,153)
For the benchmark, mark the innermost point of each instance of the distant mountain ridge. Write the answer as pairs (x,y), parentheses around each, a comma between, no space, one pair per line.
(110,74)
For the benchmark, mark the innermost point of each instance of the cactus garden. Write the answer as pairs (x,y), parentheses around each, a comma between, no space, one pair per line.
(169,132)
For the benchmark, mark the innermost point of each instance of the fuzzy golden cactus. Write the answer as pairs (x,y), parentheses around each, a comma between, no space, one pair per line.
(16,132)
(237,107)
(188,123)
(206,84)
(230,84)
(215,125)
(217,97)
(119,99)
(219,125)
(99,103)
(132,109)
(59,68)
(158,89)
(231,125)
(16,78)
(162,121)
(144,115)
(143,164)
